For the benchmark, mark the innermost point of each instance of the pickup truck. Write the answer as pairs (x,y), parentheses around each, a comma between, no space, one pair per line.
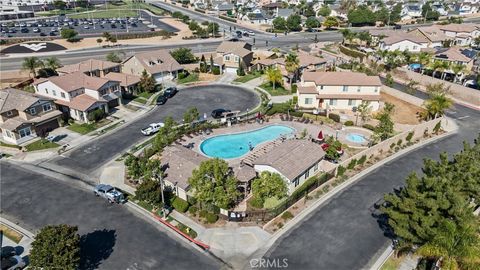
(108,192)
(152,128)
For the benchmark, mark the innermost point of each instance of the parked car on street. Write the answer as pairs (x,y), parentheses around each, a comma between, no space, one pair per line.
(111,194)
(161,100)
(218,113)
(152,129)
(12,263)
(170,92)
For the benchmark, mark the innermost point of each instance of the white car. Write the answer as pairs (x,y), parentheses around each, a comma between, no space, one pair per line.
(152,129)
(251,33)
(13,263)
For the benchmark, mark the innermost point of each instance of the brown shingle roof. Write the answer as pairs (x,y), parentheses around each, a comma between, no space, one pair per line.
(88,65)
(77,80)
(292,157)
(81,102)
(244,173)
(464,27)
(307,90)
(237,48)
(161,61)
(12,123)
(341,78)
(306,59)
(124,79)
(452,54)
(178,163)
(433,33)
(11,99)
(401,36)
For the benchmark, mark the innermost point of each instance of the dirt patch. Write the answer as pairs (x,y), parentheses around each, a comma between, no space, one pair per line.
(405,113)
(207,77)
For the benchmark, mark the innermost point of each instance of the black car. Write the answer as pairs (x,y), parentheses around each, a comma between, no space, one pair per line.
(218,113)
(161,100)
(52,34)
(170,92)
(24,30)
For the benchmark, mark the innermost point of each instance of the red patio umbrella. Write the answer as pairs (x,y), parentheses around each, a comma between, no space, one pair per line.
(320,135)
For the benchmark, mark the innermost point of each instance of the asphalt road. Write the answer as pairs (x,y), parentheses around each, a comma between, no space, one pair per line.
(85,159)
(113,237)
(342,234)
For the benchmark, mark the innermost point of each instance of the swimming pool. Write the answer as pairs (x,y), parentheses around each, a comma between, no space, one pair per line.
(236,145)
(356,138)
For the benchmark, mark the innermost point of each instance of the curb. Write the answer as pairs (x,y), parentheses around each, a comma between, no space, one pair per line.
(17,228)
(383,258)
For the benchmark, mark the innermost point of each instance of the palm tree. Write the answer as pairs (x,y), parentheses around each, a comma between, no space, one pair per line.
(347,35)
(31,64)
(365,37)
(457,69)
(291,65)
(424,59)
(274,77)
(346,5)
(364,111)
(457,245)
(411,87)
(52,63)
(438,66)
(436,105)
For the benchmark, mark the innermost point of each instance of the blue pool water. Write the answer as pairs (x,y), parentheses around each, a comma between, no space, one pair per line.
(356,138)
(236,145)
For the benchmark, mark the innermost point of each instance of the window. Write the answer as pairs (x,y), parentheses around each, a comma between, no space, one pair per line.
(358,89)
(315,168)
(24,132)
(54,92)
(46,90)
(47,107)
(307,174)
(308,101)
(415,47)
(345,88)
(296,181)
(32,111)
(376,89)
(236,58)
(227,58)
(321,87)
(62,94)
(9,113)
(352,102)
(9,134)
(333,102)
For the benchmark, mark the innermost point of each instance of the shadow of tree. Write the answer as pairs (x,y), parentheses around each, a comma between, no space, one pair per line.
(96,247)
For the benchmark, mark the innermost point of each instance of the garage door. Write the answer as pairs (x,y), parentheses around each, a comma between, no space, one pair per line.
(231,70)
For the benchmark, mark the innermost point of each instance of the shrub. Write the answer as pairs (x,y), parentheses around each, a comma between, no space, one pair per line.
(280,225)
(191,200)
(294,90)
(352,164)
(392,145)
(96,115)
(216,70)
(409,136)
(368,126)
(203,213)
(295,99)
(211,217)
(287,215)
(399,142)
(227,18)
(437,127)
(349,123)
(192,210)
(334,117)
(257,202)
(182,75)
(362,160)
(341,170)
(352,53)
(180,205)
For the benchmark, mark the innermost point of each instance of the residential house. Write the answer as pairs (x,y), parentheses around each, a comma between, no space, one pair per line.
(463,34)
(128,82)
(456,56)
(91,67)
(159,64)
(294,160)
(411,11)
(24,116)
(258,17)
(285,12)
(404,41)
(435,37)
(338,90)
(77,94)
(223,8)
(229,55)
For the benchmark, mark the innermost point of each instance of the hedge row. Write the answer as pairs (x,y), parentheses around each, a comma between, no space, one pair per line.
(227,18)
(200,10)
(352,53)
(161,33)
(180,205)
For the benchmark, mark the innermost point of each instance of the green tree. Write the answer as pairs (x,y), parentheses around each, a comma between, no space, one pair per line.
(331,22)
(107,36)
(52,63)
(274,76)
(213,183)
(191,115)
(312,22)
(149,191)
(166,135)
(382,15)
(361,16)
(292,63)
(269,185)
(411,87)
(183,56)
(438,101)
(31,64)
(279,23)
(365,37)
(203,64)
(458,69)
(294,23)
(99,41)
(147,82)
(309,11)
(332,151)
(428,13)
(213,28)
(347,5)
(59,4)
(456,244)
(113,57)
(193,26)
(56,247)
(347,35)
(364,111)
(384,128)
(324,11)
(396,14)
(69,34)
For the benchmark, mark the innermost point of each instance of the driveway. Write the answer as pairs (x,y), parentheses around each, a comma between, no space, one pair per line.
(113,237)
(85,159)
(342,234)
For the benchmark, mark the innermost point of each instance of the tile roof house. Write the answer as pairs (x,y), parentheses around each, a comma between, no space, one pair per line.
(463,34)
(159,64)
(338,90)
(91,67)
(229,55)
(456,56)
(128,82)
(24,116)
(294,160)
(77,94)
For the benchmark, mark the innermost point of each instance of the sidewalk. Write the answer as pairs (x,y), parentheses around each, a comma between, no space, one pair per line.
(23,247)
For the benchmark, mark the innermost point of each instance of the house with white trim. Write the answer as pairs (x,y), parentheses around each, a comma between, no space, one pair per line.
(159,64)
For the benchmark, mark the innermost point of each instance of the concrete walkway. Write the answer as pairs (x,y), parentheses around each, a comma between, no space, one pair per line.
(24,246)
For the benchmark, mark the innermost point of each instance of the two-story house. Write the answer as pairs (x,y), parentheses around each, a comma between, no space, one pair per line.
(159,64)
(24,116)
(230,55)
(91,67)
(77,94)
(338,90)
(463,34)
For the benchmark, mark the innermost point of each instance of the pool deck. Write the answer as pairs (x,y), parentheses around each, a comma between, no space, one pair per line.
(312,130)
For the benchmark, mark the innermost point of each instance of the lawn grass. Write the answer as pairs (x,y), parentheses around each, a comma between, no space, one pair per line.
(11,234)
(279,90)
(109,13)
(193,77)
(82,128)
(272,202)
(392,263)
(9,145)
(248,77)
(41,145)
